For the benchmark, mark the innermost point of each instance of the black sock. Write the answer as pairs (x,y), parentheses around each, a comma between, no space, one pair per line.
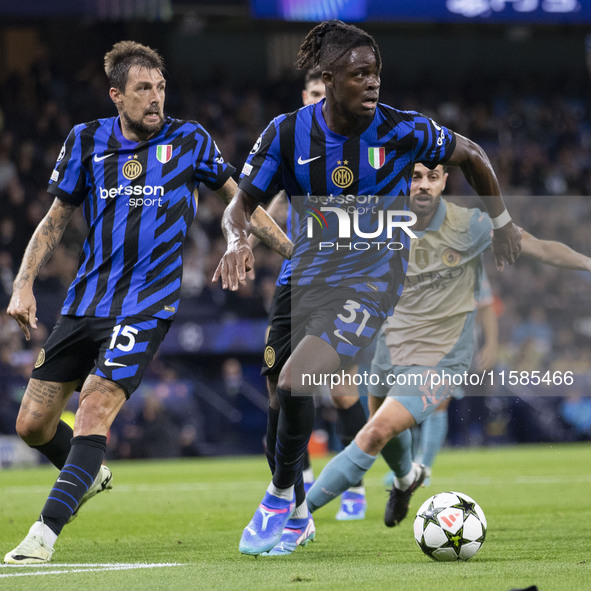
(296,422)
(306,461)
(80,470)
(300,491)
(272,420)
(57,450)
(349,422)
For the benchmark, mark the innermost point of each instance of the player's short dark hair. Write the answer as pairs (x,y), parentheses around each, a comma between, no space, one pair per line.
(125,54)
(312,74)
(329,41)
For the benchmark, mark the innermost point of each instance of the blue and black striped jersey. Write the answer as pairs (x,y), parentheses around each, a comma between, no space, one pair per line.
(139,199)
(364,177)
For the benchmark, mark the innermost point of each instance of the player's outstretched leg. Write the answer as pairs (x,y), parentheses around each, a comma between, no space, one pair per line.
(344,470)
(402,490)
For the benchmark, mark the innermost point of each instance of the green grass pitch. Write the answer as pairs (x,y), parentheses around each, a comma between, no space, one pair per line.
(176,525)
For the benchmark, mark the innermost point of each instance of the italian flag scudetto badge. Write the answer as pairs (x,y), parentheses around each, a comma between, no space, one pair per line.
(164,153)
(377,157)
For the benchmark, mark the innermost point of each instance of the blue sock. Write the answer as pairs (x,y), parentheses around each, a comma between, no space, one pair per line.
(342,472)
(398,453)
(433,435)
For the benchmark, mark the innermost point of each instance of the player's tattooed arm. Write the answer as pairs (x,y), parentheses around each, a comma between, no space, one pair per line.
(263,226)
(22,306)
(227,191)
(43,242)
(277,209)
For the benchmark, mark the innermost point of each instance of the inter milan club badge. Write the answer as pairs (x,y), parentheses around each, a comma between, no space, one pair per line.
(132,168)
(40,359)
(164,153)
(270,356)
(342,176)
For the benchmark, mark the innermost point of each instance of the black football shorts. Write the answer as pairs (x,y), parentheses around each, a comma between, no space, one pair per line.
(278,345)
(344,318)
(117,349)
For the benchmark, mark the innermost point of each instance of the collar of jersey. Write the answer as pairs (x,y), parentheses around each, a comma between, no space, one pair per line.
(125,143)
(436,220)
(327,130)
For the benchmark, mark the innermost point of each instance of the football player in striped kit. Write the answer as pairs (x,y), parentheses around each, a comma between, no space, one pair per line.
(346,165)
(136,177)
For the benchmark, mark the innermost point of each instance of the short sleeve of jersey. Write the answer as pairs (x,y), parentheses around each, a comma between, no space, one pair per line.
(261,174)
(434,143)
(68,179)
(480,232)
(210,167)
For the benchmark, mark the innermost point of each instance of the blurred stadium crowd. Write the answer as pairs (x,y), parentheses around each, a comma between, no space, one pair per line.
(200,405)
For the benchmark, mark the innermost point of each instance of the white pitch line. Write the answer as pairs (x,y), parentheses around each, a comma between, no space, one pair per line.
(96,564)
(69,570)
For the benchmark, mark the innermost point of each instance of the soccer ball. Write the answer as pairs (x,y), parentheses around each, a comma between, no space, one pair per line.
(450,526)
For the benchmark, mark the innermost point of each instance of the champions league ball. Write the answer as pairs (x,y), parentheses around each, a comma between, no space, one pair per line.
(450,526)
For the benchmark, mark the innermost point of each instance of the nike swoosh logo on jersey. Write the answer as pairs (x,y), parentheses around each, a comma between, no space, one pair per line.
(66,481)
(300,161)
(110,363)
(337,333)
(99,158)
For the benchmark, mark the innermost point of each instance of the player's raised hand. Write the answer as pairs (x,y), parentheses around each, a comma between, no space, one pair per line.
(234,265)
(23,308)
(506,244)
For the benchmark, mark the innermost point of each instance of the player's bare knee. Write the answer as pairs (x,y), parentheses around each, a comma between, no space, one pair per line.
(342,401)
(378,433)
(28,432)
(32,431)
